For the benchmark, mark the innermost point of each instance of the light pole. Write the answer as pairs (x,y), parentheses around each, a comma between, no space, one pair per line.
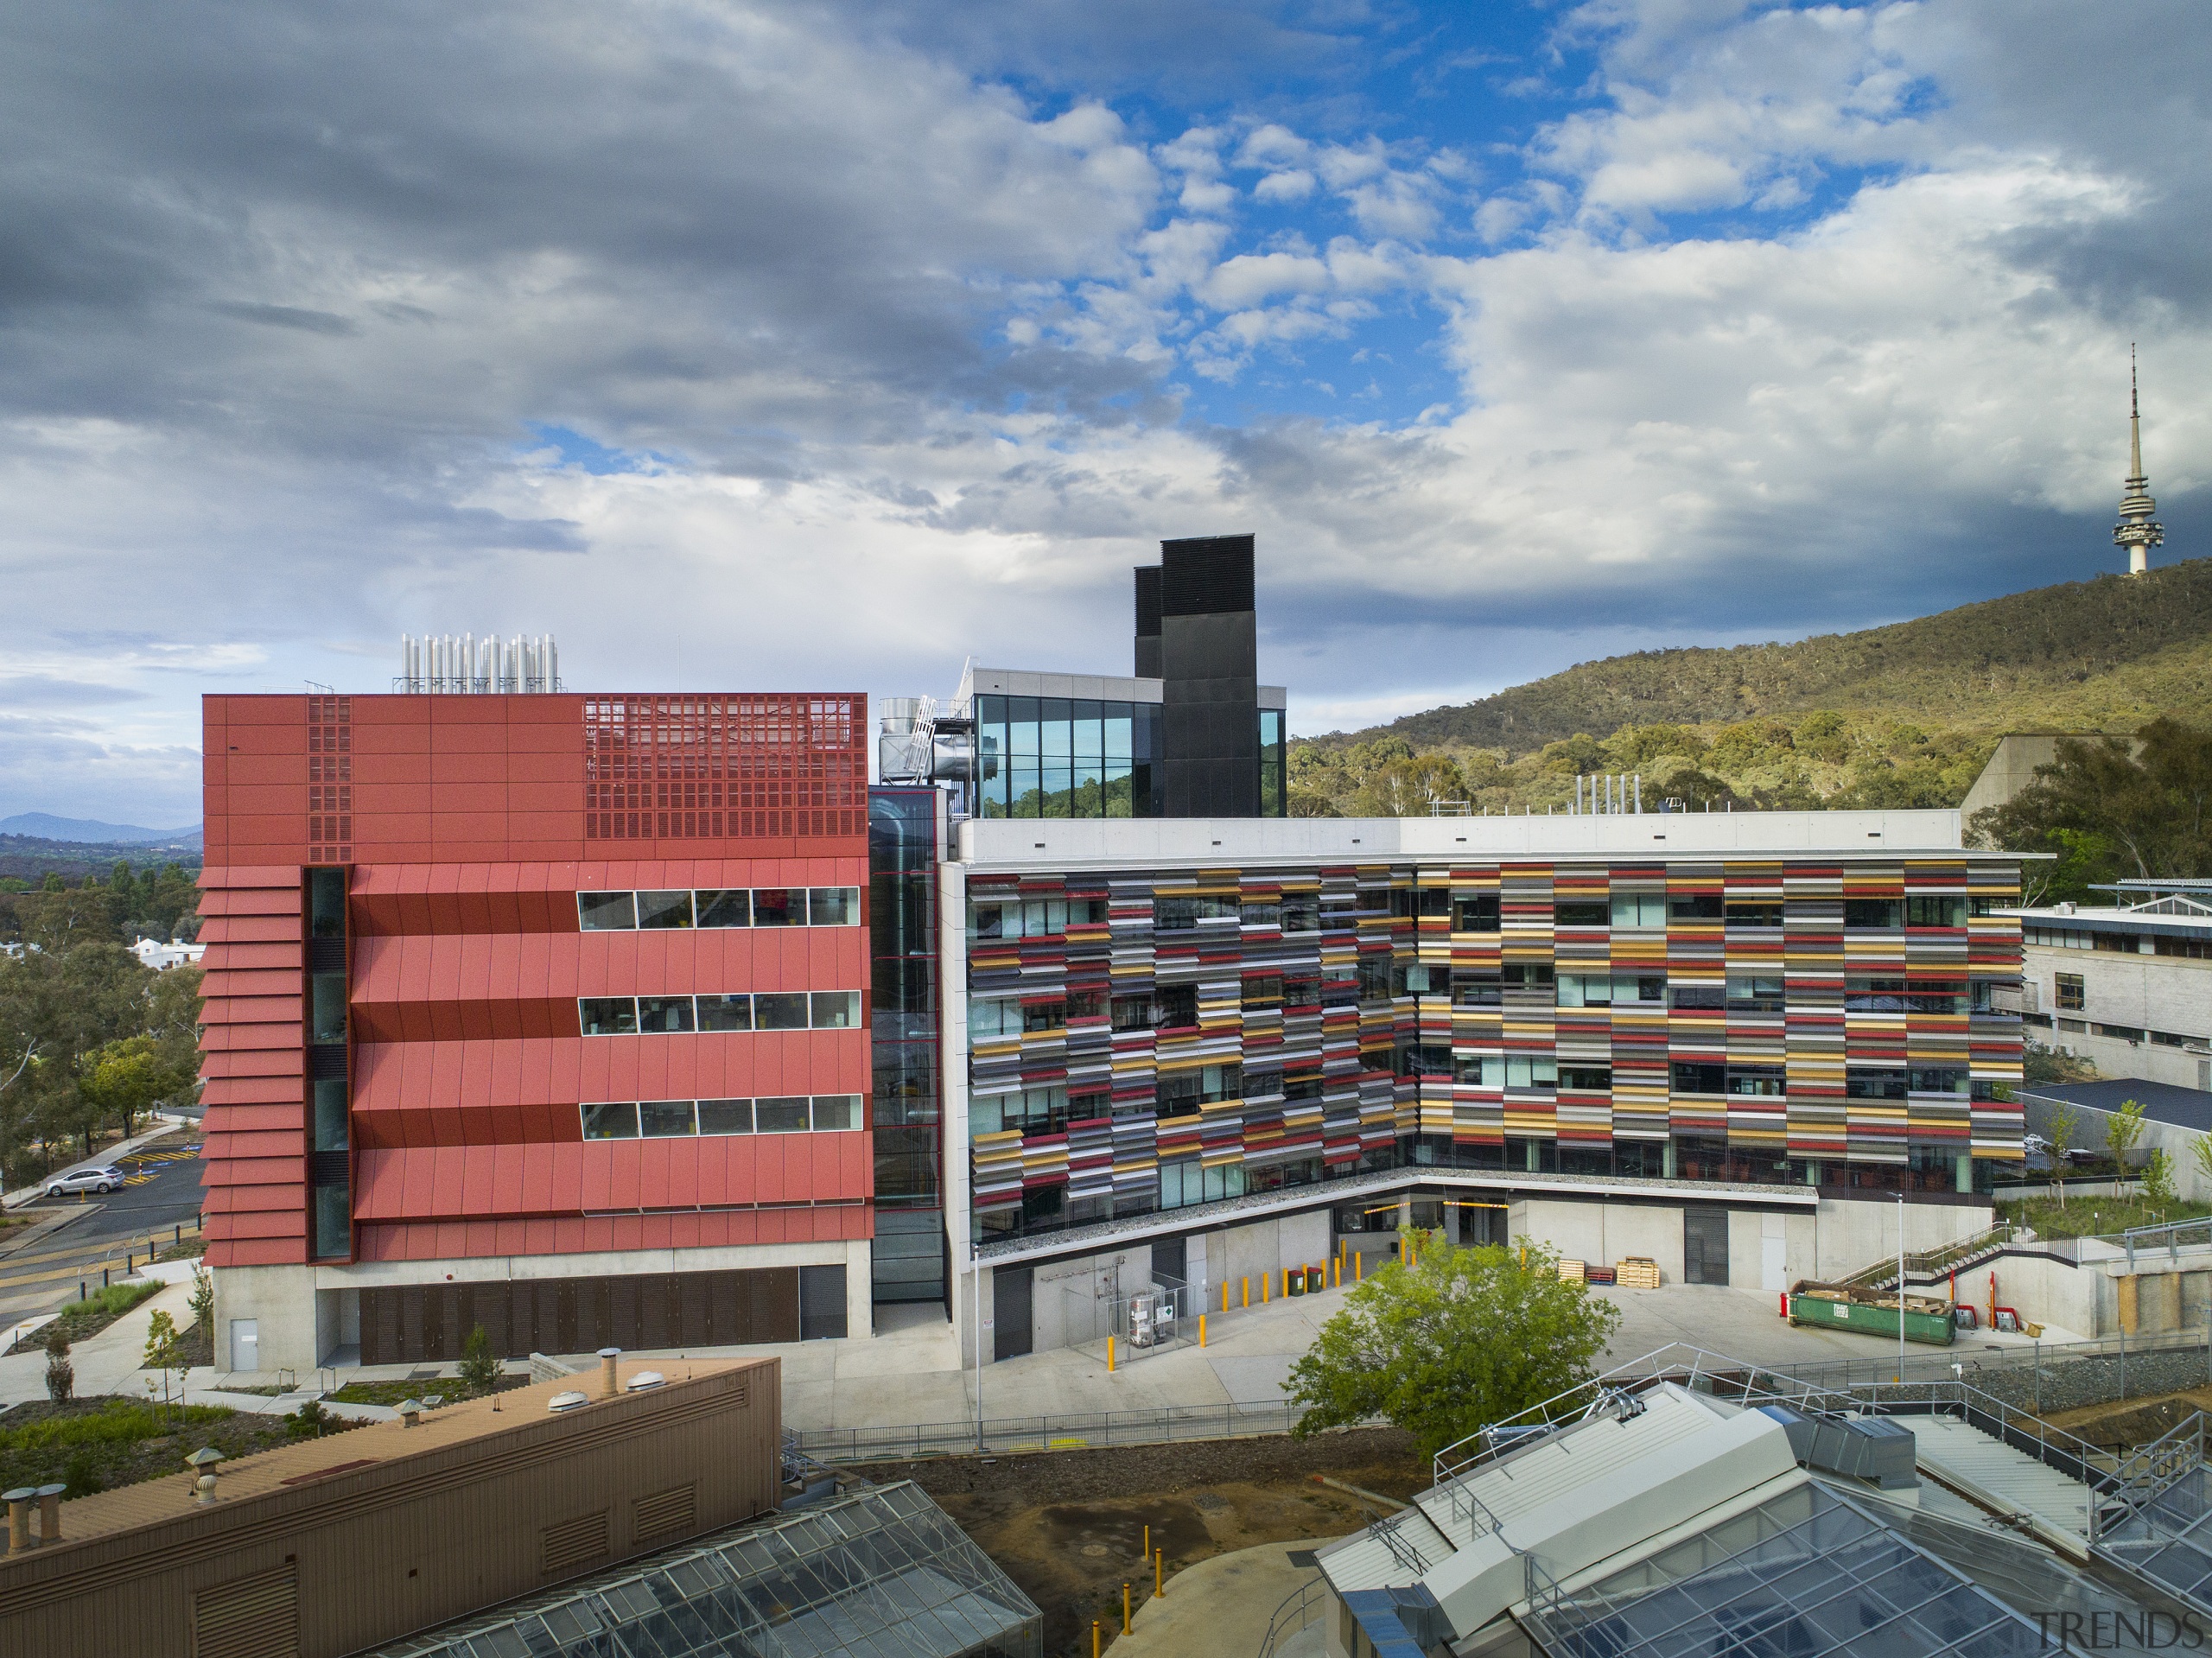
(1901,1284)
(975,1311)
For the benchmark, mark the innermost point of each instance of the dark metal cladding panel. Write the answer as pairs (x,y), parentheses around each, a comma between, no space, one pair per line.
(1206,575)
(1148,601)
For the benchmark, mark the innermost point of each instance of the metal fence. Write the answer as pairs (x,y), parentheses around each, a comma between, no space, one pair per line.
(1163,1424)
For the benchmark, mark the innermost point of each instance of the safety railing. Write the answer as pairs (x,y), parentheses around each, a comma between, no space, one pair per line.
(1300,1609)
(1954,1257)
(1693,1366)
(2168,1236)
(1163,1424)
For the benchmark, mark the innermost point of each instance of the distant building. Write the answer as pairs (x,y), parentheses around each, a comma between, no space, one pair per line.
(2136,534)
(160,956)
(2126,986)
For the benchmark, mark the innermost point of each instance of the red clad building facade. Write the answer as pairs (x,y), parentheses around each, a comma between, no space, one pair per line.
(543,1013)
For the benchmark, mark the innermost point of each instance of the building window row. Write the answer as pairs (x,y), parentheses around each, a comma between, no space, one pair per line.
(759,1010)
(757,907)
(791,1113)
(2118,943)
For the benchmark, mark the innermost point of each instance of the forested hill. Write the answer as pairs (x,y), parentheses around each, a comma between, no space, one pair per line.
(2105,654)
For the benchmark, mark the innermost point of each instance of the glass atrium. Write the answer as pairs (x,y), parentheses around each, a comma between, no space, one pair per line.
(882,1573)
(1075,756)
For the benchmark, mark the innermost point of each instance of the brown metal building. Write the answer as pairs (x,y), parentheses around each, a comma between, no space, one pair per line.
(332,1545)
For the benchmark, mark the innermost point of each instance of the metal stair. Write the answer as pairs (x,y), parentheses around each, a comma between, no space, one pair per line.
(1929,1266)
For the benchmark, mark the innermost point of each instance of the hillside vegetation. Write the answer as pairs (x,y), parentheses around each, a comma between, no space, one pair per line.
(1901,715)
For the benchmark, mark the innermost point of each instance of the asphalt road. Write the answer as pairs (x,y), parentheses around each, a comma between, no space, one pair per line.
(164,1193)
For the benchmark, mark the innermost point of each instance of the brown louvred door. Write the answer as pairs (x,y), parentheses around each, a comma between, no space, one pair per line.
(252,1617)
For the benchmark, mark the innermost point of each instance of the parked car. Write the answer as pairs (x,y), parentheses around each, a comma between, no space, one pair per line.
(102,1180)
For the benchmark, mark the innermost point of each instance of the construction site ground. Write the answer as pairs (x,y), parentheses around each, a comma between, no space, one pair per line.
(1068,1526)
(2132,1421)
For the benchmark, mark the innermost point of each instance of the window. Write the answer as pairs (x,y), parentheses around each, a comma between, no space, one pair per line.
(325,904)
(1041,1016)
(1419,979)
(1478,1070)
(1523,976)
(660,1119)
(732,908)
(1184,1092)
(1639,909)
(1259,913)
(1375,978)
(1765,1081)
(610,1122)
(1695,906)
(1755,994)
(1476,912)
(1083,1005)
(1699,997)
(833,906)
(1585,989)
(329,1007)
(779,906)
(1300,993)
(1475,989)
(779,1010)
(836,1010)
(664,1015)
(1263,990)
(725,1013)
(987,1020)
(1590,1079)
(1531,1070)
(725,1116)
(1938,912)
(1760,913)
(1181,1183)
(2070,995)
(1302,912)
(607,1015)
(1582,913)
(1434,900)
(1425,1059)
(836,1113)
(783,1115)
(1876,1082)
(607,912)
(1695,1077)
(664,909)
(1301,1088)
(1176,1007)
(1182,914)
(1132,1012)
(1886,913)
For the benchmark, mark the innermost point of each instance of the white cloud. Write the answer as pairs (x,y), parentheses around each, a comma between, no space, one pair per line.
(1293,186)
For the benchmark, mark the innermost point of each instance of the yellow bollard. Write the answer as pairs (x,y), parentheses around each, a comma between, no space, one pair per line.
(1110,1354)
(1337,1273)
(1125,1606)
(1160,1575)
(1266,1287)
(1358,1266)
(1248,1290)
(1148,1542)
(1094,1638)
(1202,1330)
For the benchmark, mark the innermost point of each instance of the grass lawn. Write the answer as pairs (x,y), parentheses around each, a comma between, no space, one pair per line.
(95,1445)
(2087,1216)
(88,1318)
(450,1389)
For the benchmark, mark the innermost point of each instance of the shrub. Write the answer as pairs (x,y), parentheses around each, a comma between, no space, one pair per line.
(480,1367)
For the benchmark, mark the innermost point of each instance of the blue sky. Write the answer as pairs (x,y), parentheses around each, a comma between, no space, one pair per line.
(748,345)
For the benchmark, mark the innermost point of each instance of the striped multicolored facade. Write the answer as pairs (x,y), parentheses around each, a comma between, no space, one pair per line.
(1382,1067)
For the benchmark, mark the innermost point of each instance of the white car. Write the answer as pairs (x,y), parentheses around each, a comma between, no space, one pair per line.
(100,1180)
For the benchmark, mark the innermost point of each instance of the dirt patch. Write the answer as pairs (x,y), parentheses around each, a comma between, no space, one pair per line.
(2133,1421)
(1069,1525)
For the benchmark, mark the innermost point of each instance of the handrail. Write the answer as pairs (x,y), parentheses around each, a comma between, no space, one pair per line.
(1159,1425)
(1309,1597)
(2170,1231)
(1933,1263)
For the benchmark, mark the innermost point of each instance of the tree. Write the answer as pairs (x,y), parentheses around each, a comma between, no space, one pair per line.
(2200,1152)
(164,1349)
(2158,1177)
(2114,807)
(479,1366)
(126,1078)
(60,1374)
(2122,1130)
(203,1300)
(1463,1338)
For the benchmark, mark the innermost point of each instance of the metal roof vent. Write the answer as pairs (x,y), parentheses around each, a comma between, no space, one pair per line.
(202,1462)
(645,1379)
(567,1400)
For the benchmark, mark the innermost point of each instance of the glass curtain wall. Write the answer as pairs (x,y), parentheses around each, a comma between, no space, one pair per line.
(909,1253)
(1073,757)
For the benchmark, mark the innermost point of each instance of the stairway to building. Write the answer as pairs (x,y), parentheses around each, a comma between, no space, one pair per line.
(2005,1479)
(1931,1266)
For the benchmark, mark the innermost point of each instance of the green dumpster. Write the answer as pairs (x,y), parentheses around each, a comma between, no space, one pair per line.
(1927,1320)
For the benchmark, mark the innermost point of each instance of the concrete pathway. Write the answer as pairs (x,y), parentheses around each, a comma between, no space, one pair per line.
(1219,1605)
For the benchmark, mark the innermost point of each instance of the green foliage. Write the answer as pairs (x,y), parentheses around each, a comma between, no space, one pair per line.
(310,1421)
(60,1374)
(118,1421)
(123,1078)
(2122,1129)
(2081,1217)
(2200,1152)
(2115,808)
(1463,1339)
(2158,1177)
(163,1350)
(80,1476)
(479,1366)
(2062,1128)
(202,1301)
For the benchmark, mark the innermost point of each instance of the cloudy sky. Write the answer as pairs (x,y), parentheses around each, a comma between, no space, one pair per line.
(823,344)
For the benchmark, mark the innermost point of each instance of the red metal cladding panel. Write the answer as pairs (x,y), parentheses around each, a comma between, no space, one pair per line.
(728,1228)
